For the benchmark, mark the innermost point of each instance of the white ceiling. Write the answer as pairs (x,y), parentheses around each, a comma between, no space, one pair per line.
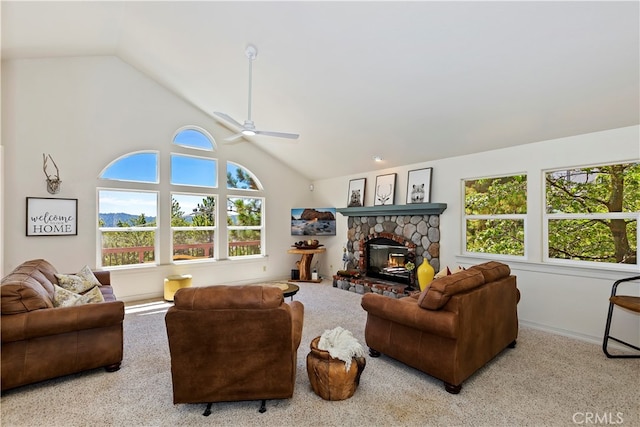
(408,81)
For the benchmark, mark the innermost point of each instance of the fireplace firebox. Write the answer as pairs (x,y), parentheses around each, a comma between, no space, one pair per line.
(386,259)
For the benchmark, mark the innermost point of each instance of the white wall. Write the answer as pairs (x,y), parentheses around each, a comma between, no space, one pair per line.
(571,301)
(88,111)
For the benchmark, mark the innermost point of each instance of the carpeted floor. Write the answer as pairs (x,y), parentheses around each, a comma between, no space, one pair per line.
(547,380)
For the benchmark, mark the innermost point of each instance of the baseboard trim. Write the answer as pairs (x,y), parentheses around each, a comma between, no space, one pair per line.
(571,334)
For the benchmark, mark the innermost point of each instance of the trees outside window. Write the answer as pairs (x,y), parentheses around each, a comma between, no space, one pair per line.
(193,225)
(128,218)
(127,227)
(495,215)
(592,214)
(245,226)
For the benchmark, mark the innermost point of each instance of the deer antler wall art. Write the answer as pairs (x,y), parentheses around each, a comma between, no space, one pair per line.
(385,189)
(53,182)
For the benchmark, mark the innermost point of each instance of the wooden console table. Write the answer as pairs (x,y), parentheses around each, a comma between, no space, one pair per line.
(305,262)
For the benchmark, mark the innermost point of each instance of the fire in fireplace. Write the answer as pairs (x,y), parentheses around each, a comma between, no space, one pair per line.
(386,259)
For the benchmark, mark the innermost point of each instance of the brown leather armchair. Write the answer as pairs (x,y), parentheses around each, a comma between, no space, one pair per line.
(452,328)
(231,343)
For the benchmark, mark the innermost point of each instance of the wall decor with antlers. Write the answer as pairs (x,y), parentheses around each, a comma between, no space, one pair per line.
(53,182)
(385,189)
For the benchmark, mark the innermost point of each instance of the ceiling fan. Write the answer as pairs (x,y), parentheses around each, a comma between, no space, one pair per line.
(249,128)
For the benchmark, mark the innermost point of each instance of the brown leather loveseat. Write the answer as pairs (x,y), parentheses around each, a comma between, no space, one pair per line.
(40,341)
(452,328)
(232,343)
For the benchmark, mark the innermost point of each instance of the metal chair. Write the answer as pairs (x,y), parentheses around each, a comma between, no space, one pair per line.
(625,301)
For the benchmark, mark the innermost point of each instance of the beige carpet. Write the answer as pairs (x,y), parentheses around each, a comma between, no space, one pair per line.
(547,380)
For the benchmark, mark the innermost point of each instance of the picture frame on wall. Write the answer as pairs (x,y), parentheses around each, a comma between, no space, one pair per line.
(385,189)
(52,217)
(355,196)
(313,221)
(419,186)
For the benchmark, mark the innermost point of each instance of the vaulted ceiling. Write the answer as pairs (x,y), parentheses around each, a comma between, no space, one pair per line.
(407,81)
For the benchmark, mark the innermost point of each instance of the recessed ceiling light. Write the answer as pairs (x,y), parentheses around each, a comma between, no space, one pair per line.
(377,158)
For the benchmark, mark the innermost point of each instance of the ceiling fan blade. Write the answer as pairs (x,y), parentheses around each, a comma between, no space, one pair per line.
(277,134)
(233,137)
(228,119)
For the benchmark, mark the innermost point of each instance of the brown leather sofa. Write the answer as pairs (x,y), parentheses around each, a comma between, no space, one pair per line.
(40,341)
(232,343)
(452,328)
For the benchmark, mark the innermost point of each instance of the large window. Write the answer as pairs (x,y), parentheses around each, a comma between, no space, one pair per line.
(495,215)
(193,225)
(129,218)
(244,226)
(592,214)
(127,223)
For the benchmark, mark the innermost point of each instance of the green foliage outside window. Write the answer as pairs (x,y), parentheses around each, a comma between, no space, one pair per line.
(492,209)
(197,243)
(592,213)
(129,247)
(244,220)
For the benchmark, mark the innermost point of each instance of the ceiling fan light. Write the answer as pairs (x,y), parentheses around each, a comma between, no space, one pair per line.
(248,132)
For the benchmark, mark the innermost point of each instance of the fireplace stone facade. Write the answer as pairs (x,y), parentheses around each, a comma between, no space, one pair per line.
(419,233)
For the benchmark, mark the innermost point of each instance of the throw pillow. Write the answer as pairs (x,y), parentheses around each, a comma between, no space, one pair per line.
(88,275)
(442,273)
(79,282)
(64,298)
(93,296)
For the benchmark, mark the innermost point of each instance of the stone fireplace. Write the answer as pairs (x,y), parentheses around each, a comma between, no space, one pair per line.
(382,239)
(420,235)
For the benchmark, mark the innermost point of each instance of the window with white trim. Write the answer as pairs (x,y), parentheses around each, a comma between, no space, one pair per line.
(193,226)
(128,227)
(591,215)
(128,218)
(495,211)
(245,226)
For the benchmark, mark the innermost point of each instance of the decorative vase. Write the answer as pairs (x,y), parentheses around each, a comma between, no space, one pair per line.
(425,274)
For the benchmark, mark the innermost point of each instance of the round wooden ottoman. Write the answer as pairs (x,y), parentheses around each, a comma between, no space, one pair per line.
(328,376)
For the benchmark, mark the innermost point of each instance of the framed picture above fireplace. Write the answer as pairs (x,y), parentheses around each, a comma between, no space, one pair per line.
(385,189)
(355,198)
(419,186)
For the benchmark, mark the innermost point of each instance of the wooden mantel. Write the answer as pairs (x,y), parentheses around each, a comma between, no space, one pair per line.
(412,209)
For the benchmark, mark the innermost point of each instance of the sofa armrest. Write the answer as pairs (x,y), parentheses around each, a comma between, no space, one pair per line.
(60,320)
(297,320)
(104,277)
(407,312)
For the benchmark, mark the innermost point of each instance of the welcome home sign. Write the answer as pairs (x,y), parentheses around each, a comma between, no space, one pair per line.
(52,217)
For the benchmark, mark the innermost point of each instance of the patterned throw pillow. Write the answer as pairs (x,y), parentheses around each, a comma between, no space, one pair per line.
(93,296)
(66,298)
(88,275)
(79,282)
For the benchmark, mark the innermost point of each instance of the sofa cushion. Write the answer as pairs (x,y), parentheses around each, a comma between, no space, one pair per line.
(493,270)
(441,290)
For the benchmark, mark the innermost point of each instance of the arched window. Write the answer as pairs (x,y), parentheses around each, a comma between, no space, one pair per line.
(140,166)
(128,218)
(238,177)
(192,137)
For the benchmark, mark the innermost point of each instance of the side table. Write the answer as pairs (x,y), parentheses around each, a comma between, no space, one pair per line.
(305,262)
